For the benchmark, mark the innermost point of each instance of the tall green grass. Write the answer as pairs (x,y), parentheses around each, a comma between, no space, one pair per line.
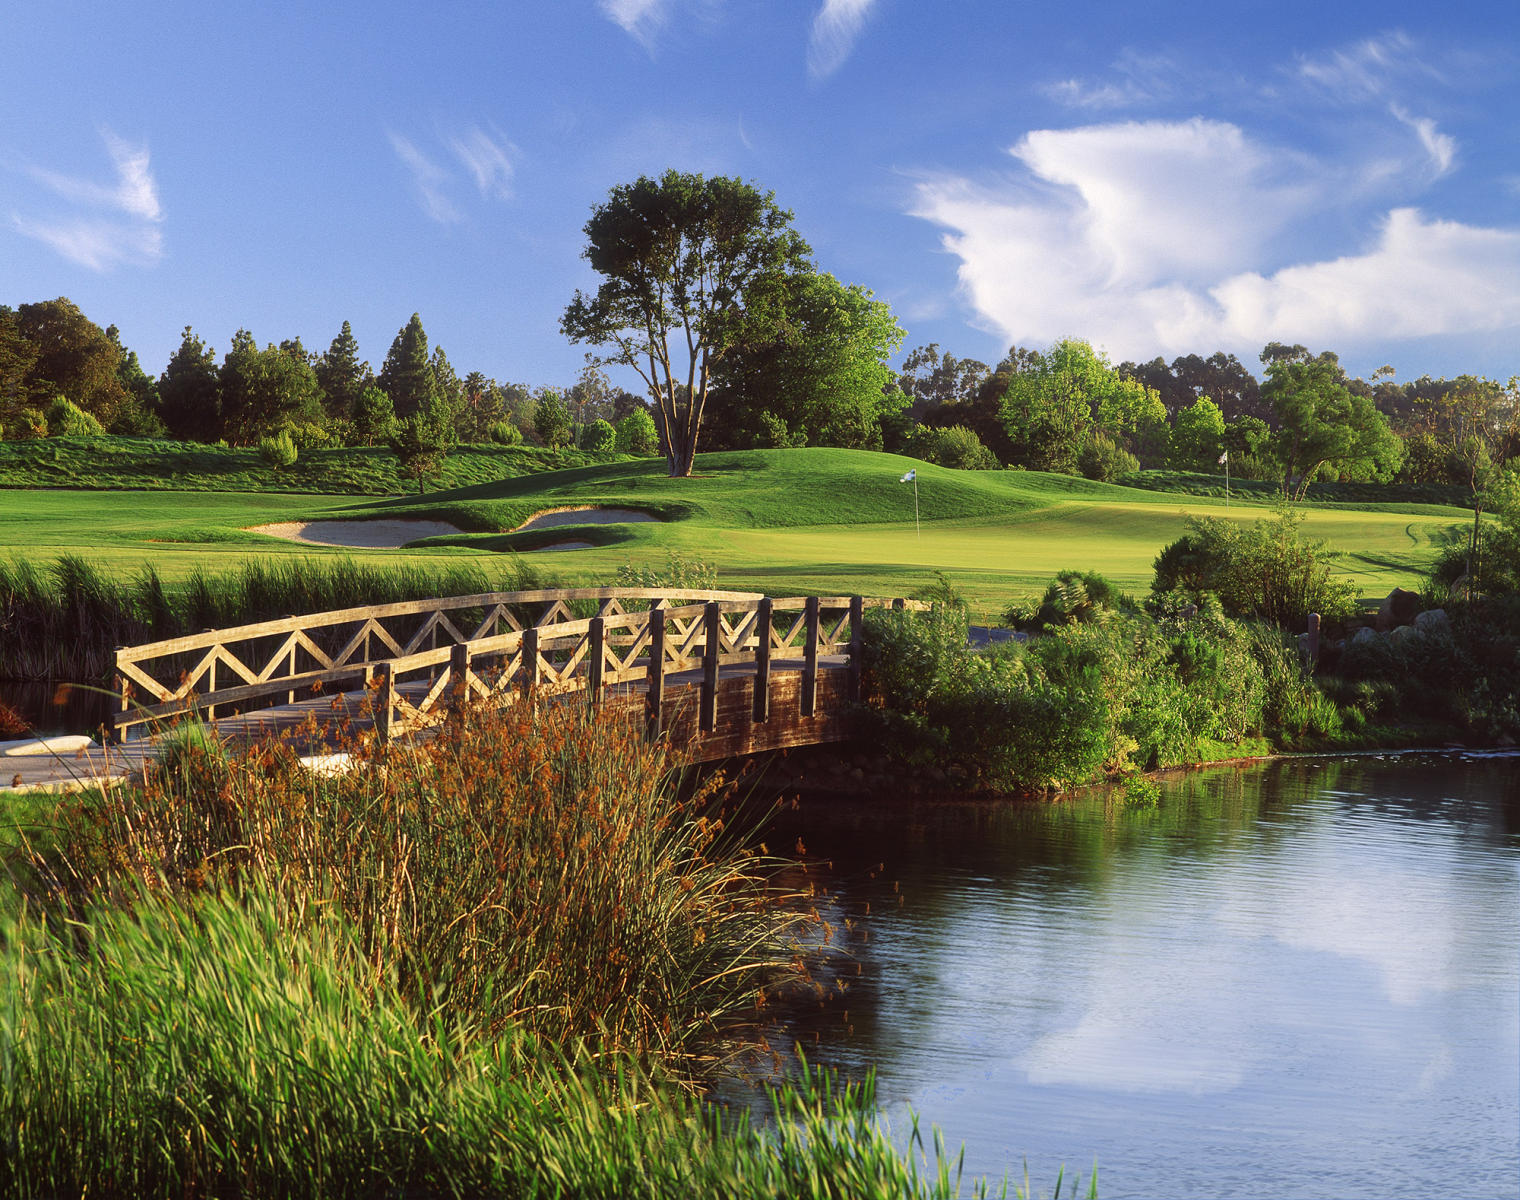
(488,966)
(532,867)
(193,1049)
(64,620)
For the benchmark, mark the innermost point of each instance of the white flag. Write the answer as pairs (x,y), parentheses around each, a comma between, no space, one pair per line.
(910,476)
(1225,457)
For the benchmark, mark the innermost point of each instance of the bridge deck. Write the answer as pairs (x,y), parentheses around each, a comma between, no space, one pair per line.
(317,726)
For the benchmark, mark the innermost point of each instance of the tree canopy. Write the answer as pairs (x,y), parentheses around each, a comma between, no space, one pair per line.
(1321,421)
(820,379)
(691,268)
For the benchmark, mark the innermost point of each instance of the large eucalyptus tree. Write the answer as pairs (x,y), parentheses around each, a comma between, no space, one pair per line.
(692,267)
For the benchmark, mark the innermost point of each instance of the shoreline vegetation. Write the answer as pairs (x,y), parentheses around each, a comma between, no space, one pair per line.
(498,965)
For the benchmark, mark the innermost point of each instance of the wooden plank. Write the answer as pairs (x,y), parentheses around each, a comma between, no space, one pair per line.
(596,653)
(809,698)
(761,707)
(655,689)
(712,648)
(857,631)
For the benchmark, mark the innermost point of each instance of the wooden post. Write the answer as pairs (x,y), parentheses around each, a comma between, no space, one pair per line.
(654,695)
(528,675)
(119,733)
(1311,643)
(290,697)
(762,711)
(211,682)
(596,652)
(810,657)
(899,604)
(385,701)
(712,619)
(459,672)
(852,685)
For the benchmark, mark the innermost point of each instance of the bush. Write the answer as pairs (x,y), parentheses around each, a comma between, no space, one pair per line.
(636,433)
(67,419)
(1072,596)
(955,446)
(1104,459)
(278,450)
(1267,570)
(505,433)
(599,437)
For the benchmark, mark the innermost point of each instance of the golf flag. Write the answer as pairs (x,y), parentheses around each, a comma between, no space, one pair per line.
(910,476)
(1225,457)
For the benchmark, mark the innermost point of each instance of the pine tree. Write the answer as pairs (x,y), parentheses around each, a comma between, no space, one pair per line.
(189,392)
(407,376)
(341,375)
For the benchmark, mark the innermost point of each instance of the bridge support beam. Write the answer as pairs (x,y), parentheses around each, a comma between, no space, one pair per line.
(809,698)
(712,622)
(762,709)
(654,696)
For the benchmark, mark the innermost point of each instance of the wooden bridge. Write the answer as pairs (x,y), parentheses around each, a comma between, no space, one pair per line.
(718,673)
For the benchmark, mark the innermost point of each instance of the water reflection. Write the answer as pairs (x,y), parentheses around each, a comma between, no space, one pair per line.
(1302,979)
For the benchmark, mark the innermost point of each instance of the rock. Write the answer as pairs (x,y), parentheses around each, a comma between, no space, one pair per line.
(1433,621)
(1399,608)
(1364,636)
(67,744)
(1504,741)
(1400,634)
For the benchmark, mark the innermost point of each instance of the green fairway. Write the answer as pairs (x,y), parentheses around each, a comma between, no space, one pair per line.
(780,520)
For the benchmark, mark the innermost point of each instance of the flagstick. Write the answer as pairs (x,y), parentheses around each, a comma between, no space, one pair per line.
(916,529)
(1227,479)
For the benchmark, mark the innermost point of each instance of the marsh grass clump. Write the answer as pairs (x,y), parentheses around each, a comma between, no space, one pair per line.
(243,1045)
(527,867)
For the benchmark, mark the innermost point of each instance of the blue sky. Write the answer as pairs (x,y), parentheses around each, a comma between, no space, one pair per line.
(1163,180)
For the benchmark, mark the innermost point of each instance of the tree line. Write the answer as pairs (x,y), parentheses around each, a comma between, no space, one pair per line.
(714,301)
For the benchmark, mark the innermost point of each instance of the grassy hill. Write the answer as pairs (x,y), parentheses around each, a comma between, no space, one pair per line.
(780,520)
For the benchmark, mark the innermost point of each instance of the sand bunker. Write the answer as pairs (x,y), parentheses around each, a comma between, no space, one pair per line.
(584,515)
(357,535)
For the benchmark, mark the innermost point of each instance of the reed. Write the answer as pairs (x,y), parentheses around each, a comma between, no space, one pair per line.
(63,621)
(193,1048)
(533,867)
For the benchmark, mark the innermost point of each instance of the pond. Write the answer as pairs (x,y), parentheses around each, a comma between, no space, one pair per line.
(1297,979)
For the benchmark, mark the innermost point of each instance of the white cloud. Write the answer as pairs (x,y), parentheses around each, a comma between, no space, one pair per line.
(488,161)
(429,179)
(1133,79)
(97,241)
(1441,147)
(1365,70)
(835,29)
(1174,237)
(96,244)
(640,19)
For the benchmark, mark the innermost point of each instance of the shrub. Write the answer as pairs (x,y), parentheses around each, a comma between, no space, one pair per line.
(505,433)
(1267,570)
(1072,596)
(278,450)
(67,419)
(599,437)
(636,433)
(1104,459)
(955,446)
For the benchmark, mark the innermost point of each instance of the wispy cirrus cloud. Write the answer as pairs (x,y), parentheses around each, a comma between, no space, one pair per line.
(835,30)
(109,224)
(640,19)
(1368,69)
(486,159)
(1165,237)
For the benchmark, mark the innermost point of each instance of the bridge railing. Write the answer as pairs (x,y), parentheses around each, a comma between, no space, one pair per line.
(415,656)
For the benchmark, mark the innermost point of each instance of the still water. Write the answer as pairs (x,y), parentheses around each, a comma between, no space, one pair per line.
(1297,980)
